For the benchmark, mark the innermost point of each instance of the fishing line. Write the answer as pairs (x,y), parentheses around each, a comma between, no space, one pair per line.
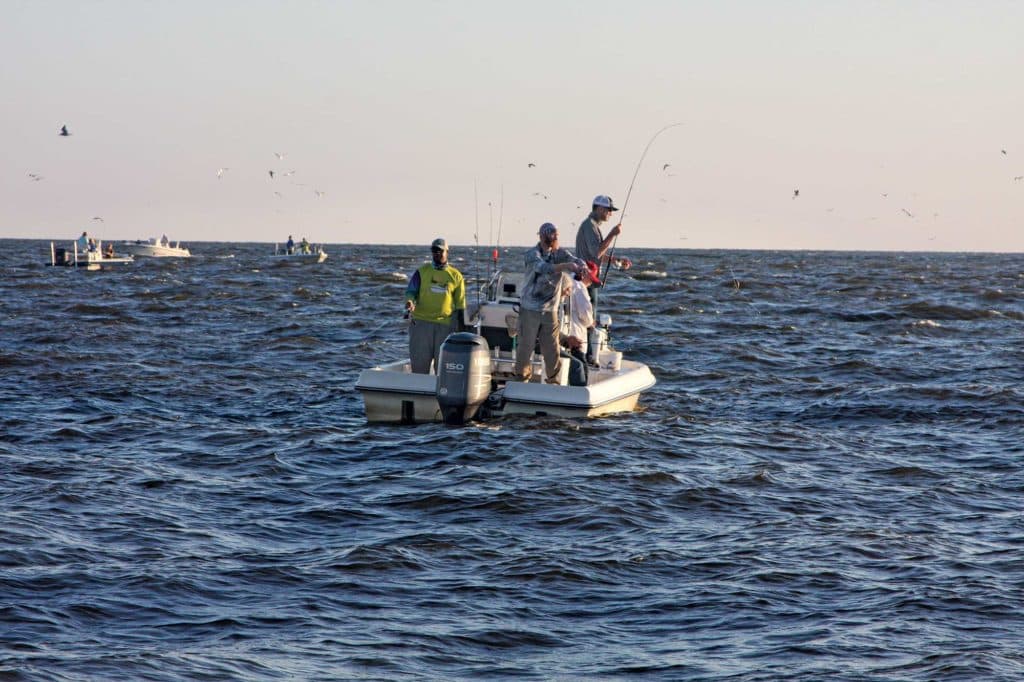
(622,215)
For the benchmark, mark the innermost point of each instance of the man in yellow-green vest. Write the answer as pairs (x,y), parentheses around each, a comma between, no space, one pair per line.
(435,299)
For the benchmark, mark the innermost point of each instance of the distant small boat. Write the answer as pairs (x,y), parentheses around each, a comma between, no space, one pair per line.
(649,275)
(314,253)
(156,248)
(89,258)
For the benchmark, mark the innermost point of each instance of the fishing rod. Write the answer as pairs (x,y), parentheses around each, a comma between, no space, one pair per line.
(622,216)
(501,214)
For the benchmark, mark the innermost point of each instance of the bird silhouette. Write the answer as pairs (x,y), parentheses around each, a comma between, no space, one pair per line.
(64,131)
(271,174)
(531,165)
(279,155)
(1003,151)
(35,177)
(665,167)
(96,217)
(796,193)
(907,212)
(1018,177)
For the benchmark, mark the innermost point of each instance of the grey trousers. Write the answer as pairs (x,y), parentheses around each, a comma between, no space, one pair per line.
(534,325)
(425,339)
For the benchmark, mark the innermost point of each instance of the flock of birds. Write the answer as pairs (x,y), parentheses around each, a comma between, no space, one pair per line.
(273,174)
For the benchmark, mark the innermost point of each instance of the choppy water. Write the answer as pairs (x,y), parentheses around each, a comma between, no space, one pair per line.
(826,482)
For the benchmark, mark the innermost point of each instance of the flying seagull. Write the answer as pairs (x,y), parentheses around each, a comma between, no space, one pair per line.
(1015,177)
(1003,151)
(796,193)
(64,131)
(907,212)
(665,167)
(318,193)
(36,177)
(271,174)
(531,165)
(96,217)
(221,171)
(279,155)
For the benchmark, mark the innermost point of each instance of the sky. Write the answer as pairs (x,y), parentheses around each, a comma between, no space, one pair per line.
(900,123)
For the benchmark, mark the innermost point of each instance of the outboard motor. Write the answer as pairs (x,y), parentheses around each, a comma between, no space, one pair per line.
(464,376)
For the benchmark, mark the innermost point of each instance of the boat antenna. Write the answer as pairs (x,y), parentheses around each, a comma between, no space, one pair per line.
(476,239)
(622,216)
(501,213)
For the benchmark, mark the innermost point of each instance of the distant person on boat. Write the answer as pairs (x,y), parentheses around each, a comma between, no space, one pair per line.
(581,321)
(304,246)
(289,247)
(109,251)
(592,245)
(434,300)
(164,241)
(546,263)
(83,242)
(92,245)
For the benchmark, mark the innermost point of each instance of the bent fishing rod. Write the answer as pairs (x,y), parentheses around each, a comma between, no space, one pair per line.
(622,216)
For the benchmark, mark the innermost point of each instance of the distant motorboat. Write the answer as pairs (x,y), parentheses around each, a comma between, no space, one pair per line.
(308,254)
(88,258)
(650,275)
(156,248)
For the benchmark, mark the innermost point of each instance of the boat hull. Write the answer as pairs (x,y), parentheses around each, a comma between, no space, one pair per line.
(300,258)
(392,394)
(154,250)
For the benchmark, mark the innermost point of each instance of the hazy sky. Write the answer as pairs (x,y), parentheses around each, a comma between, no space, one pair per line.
(899,122)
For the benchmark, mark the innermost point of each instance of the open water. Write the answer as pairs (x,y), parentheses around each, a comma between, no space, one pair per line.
(826,483)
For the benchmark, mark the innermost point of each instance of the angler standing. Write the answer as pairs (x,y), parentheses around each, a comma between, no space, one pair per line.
(434,299)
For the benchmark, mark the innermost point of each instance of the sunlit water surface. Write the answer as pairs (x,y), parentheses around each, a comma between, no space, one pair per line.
(825,483)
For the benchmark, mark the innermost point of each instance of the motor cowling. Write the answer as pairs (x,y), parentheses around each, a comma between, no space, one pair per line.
(463,376)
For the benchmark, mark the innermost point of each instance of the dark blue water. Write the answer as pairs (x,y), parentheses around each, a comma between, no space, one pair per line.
(826,483)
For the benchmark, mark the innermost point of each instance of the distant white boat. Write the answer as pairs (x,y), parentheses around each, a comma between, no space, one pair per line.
(314,253)
(89,258)
(156,248)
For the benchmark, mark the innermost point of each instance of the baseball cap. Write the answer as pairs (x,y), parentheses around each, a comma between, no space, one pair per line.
(606,201)
(547,229)
(439,243)
(594,271)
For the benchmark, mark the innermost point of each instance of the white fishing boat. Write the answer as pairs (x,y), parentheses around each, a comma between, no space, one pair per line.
(477,381)
(92,258)
(314,254)
(155,248)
